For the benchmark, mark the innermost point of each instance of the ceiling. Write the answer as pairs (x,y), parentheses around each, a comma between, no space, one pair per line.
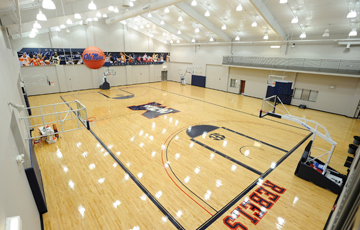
(273,18)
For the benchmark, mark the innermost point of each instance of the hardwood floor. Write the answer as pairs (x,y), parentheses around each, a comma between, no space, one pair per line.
(193,162)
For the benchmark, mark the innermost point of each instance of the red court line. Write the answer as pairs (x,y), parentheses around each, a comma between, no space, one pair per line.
(162,159)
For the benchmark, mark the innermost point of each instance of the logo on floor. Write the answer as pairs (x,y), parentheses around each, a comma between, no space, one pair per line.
(153,109)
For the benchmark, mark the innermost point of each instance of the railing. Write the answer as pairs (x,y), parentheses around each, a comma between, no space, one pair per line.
(316,65)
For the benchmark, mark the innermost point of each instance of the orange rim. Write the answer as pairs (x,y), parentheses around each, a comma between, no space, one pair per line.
(91,119)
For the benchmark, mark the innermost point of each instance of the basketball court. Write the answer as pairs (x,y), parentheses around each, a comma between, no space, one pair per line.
(167,156)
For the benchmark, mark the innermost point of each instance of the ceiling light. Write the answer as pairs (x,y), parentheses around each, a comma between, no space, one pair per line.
(266,36)
(57,28)
(116,10)
(111,8)
(164,34)
(193,40)
(180,19)
(62,26)
(48,4)
(275,47)
(69,22)
(34,30)
(303,35)
(36,25)
(96,19)
(67,30)
(162,22)
(148,25)
(131,4)
(98,14)
(104,15)
(32,34)
(352,14)
(295,20)
(211,39)
(165,42)
(178,41)
(207,13)
(136,27)
(89,19)
(237,38)
(283,1)
(239,8)
(254,24)
(353,32)
(223,27)
(151,35)
(126,3)
(92,6)
(197,30)
(149,15)
(171,42)
(193,3)
(179,32)
(40,16)
(326,33)
(77,16)
(167,10)
(123,22)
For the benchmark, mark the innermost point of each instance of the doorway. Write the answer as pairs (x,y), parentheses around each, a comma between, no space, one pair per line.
(242,87)
(163,75)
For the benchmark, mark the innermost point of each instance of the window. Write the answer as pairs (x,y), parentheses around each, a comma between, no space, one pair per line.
(233,83)
(305,94)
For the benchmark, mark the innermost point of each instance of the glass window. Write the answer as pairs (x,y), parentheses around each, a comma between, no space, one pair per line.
(305,94)
(297,93)
(233,83)
(313,95)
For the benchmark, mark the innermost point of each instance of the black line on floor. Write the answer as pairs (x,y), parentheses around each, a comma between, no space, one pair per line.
(273,146)
(211,220)
(227,157)
(179,179)
(227,107)
(141,186)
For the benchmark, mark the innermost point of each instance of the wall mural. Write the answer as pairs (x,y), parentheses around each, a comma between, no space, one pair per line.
(56,56)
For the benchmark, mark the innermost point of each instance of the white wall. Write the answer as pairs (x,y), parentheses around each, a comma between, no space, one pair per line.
(217,77)
(16,198)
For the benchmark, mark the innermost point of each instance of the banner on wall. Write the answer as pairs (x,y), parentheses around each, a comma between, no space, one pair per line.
(69,56)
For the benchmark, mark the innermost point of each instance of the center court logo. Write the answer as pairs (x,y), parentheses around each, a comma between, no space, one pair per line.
(153,109)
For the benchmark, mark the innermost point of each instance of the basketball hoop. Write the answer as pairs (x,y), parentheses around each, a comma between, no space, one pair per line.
(92,121)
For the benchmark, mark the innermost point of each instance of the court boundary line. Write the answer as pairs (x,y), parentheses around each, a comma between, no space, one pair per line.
(214,218)
(138,183)
(226,107)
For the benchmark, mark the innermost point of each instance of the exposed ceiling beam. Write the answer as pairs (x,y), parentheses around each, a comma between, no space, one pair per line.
(171,29)
(202,20)
(269,17)
(142,9)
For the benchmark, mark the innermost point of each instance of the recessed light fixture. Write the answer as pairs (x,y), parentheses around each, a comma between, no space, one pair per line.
(171,42)
(353,33)
(283,1)
(131,4)
(111,8)
(48,4)
(193,3)
(254,24)
(211,39)
(149,15)
(40,16)
(62,26)
(295,20)
(104,16)
(239,8)
(275,47)
(179,32)
(34,30)
(98,14)
(92,6)
(69,22)
(266,36)
(193,40)
(167,10)
(303,35)
(147,25)
(116,10)
(162,22)
(207,13)
(57,28)
(178,41)
(165,42)
(77,16)
(36,25)
(197,30)
(237,38)
(223,27)
(326,33)
(352,14)
(180,19)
